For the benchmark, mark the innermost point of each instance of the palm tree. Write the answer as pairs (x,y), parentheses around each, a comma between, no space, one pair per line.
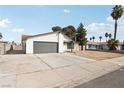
(106,35)
(110,35)
(116,14)
(90,38)
(112,44)
(93,38)
(100,38)
(1,36)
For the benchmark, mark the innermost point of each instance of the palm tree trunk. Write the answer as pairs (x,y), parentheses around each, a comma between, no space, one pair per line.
(115,32)
(100,44)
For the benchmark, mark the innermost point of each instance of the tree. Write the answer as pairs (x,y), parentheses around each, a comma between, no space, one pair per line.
(56,28)
(100,38)
(14,43)
(90,38)
(106,35)
(81,35)
(112,44)
(1,36)
(93,38)
(11,47)
(116,14)
(70,31)
(72,28)
(110,35)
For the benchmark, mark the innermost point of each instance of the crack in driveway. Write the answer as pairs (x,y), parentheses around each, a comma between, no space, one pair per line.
(41,60)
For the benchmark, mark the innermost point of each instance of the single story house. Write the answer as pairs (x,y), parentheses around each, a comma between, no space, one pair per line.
(103,46)
(52,42)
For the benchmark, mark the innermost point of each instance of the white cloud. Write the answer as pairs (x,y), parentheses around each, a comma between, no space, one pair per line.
(99,28)
(4,23)
(17,30)
(120,22)
(109,19)
(66,11)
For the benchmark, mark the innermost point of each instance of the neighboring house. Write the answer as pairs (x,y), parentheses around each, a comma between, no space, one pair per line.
(121,46)
(97,45)
(52,42)
(102,46)
(4,47)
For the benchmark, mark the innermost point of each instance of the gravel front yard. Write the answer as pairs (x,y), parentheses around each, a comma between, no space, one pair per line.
(97,55)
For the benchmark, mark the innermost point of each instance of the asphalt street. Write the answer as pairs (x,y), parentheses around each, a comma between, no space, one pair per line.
(112,80)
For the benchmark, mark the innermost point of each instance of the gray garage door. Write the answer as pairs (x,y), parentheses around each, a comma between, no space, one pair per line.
(45,47)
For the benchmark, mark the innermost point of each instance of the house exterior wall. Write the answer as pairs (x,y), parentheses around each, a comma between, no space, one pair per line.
(29,46)
(105,47)
(2,50)
(23,45)
(4,47)
(120,47)
(7,46)
(65,48)
(60,43)
(76,47)
(66,39)
(87,46)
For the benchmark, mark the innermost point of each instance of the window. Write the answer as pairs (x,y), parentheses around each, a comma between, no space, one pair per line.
(70,45)
(123,47)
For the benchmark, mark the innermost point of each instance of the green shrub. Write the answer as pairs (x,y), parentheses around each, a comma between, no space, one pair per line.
(112,44)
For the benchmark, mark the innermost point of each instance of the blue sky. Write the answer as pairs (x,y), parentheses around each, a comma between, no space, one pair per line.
(18,20)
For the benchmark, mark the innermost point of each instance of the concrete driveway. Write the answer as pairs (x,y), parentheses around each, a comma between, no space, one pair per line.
(50,70)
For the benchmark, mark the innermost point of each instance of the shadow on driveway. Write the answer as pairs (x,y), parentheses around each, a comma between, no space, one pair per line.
(15,52)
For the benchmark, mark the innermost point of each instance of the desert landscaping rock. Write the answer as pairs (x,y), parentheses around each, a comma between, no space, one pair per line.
(96,55)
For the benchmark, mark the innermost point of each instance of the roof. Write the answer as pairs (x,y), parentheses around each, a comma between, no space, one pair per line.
(3,42)
(96,43)
(25,37)
(102,43)
(43,34)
